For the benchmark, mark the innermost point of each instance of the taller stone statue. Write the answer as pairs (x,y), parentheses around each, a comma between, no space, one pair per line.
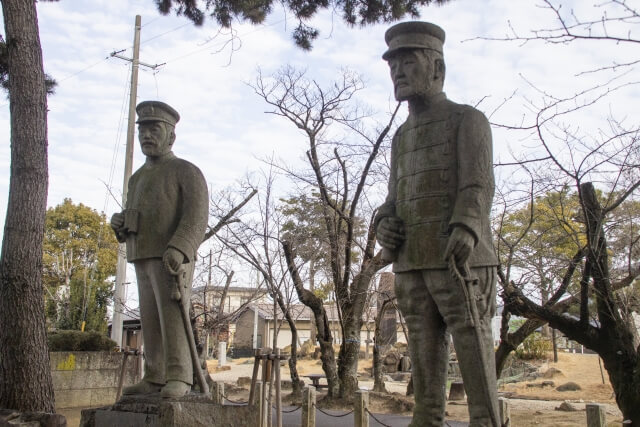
(163,224)
(435,226)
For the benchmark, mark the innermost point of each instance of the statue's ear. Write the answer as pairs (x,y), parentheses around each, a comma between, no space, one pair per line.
(172,137)
(439,69)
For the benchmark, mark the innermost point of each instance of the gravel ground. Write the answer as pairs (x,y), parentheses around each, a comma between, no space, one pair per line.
(246,370)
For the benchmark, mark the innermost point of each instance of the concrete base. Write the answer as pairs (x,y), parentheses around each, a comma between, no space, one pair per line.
(154,411)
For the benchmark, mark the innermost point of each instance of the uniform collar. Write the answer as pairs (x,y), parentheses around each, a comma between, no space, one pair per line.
(152,161)
(426,104)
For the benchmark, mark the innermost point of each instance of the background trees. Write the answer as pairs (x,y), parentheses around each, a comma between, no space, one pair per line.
(341,154)
(79,257)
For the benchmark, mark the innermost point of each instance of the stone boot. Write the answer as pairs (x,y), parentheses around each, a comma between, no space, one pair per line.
(175,389)
(143,387)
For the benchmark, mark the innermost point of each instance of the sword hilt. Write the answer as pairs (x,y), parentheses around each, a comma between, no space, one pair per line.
(178,280)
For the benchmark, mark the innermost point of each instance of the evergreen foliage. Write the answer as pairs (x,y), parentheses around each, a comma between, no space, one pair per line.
(79,341)
(224,12)
(79,257)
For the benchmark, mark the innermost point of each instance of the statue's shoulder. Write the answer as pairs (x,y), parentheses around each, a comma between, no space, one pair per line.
(185,168)
(468,111)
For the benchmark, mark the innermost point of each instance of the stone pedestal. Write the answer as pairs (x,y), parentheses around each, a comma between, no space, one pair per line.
(154,411)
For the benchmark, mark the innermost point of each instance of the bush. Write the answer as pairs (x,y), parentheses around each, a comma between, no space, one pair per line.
(534,347)
(79,341)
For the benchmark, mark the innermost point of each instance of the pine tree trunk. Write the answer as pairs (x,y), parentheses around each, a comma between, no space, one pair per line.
(25,376)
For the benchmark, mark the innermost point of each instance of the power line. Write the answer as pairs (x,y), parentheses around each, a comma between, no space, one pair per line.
(117,142)
(163,34)
(84,69)
(226,42)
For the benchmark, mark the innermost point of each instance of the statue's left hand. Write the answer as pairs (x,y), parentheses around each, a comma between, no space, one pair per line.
(172,260)
(460,245)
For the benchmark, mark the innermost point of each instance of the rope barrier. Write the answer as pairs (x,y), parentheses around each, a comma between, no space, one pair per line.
(290,411)
(377,420)
(334,416)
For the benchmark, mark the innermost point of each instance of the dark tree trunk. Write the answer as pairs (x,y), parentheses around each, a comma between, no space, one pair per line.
(348,357)
(512,341)
(293,360)
(378,354)
(615,343)
(308,298)
(612,338)
(25,376)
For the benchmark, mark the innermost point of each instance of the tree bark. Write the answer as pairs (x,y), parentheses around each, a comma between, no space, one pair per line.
(378,354)
(308,298)
(615,345)
(612,338)
(348,356)
(25,376)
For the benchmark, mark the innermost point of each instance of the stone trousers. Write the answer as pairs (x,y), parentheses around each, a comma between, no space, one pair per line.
(166,349)
(433,305)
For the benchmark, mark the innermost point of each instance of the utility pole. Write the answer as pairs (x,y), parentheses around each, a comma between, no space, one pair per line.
(206,308)
(121,267)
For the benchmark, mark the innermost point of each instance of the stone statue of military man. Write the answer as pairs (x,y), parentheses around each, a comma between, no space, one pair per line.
(163,224)
(435,226)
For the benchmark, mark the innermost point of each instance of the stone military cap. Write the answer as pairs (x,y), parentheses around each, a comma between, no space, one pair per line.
(413,35)
(156,111)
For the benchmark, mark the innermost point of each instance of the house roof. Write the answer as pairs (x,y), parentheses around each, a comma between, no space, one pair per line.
(232,289)
(302,312)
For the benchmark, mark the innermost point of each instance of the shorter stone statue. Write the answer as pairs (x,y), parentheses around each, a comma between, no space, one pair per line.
(163,224)
(435,226)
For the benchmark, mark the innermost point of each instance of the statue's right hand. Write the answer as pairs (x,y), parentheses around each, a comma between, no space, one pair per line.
(390,232)
(117,221)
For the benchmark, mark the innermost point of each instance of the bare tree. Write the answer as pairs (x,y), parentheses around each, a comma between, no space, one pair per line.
(341,172)
(601,165)
(258,244)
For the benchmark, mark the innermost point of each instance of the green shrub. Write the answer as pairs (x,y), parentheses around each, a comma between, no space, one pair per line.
(534,347)
(79,341)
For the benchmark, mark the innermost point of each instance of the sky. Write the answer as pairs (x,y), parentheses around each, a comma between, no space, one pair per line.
(223,127)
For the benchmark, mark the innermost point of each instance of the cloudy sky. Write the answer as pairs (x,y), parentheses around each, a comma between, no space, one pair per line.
(223,128)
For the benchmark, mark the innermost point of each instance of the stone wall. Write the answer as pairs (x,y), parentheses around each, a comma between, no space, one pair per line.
(89,378)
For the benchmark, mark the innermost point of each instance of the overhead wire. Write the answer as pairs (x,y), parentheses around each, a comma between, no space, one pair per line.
(223,43)
(85,69)
(118,141)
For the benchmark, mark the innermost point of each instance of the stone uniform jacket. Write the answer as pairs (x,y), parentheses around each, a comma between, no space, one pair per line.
(441,177)
(172,202)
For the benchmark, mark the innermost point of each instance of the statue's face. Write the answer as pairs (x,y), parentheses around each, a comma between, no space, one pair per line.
(412,73)
(156,138)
